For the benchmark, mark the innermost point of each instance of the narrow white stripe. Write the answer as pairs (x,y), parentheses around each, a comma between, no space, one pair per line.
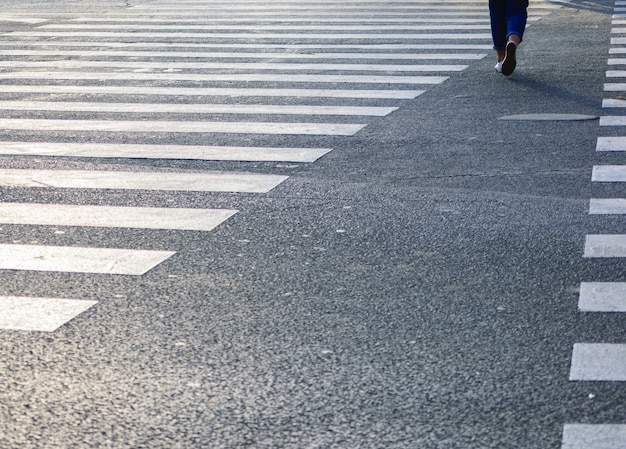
(601,206)
(605,245)
(168,65)
(80,260)
(594,436)
(246,78)
(198,108)
(609,173)
(612,121)
(183,127)
(132,151)
(598,362)
(352,18)
(237,36)
(613,103)
(611,144)
(617,61)
(209,91)
(39,314)
(115,217)
(602,297)
(614,87)
(220,55)
(615,73)
(200,182)
(221,46)
(275,27)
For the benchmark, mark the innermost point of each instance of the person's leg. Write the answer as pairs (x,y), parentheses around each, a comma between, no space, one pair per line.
(516,16)
(499,27)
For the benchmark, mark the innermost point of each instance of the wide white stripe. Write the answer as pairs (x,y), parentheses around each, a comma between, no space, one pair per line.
(614,87)
(182,127)
(600,206)
(210,91)
(274,27)
(39,314)
(613,103)
(237,36)
(383,18)
(609,173)
(221,46)
(302,55)
(605,245)
(80,260)
(598,362)
(615,73)
(609,120)
(143,108)
(114,217)
(611,144)
(246,78)
(133,151)
(602,297)
(168,65)
(200,182)
(594,436)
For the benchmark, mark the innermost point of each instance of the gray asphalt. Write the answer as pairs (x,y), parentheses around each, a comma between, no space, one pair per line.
(414,288)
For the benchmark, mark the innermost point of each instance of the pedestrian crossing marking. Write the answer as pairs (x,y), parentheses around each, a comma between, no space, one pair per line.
(85,54)
(113,216)
(598,362)
(195,108)
(594,436)
(199,182)
(602,297)
(609,173)
(210,91)
(611,144)
(142,151)
(605,245)
(247,78)
(291,66)
(39,314)
(325,129)
(607,206)
(132,262)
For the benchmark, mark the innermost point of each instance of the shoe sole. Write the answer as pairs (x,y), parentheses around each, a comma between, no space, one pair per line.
(509,63)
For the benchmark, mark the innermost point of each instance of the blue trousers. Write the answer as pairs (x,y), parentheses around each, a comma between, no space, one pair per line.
(507,17)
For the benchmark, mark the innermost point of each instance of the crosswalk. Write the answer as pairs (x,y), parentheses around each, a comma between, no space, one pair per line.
(82,85)
(600,361)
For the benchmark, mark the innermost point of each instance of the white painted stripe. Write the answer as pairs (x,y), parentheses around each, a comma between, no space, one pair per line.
(80,260)
(210,91)
(602,206)
(132,151)
(611,144)
(199,182)
(615,73)
(609,173)
(182,127)
(113,217)
(602,297)
(169,65)
(274,27)
(221,46)
(198,108)
(613,103)
(382,19)
(617,61)
(598,362)
(594,436)
(605,245)
(302,55)
(39,314)
(246,78)
(612,121)
(614,87)
(237,36)
(20,19)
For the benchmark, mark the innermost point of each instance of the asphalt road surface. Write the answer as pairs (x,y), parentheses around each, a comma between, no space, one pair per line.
(311,225)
